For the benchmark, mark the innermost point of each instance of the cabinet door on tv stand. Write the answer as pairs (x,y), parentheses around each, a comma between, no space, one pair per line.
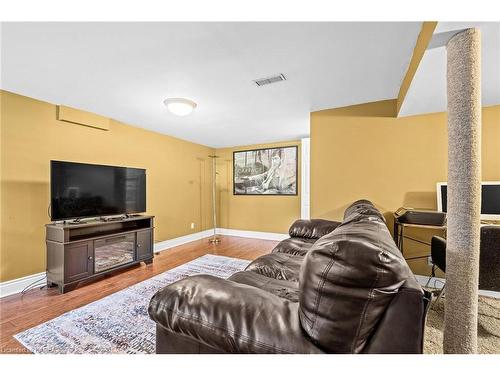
(144,248)
(78,261)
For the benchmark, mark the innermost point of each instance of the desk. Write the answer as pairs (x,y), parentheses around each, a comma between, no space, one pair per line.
(414,218)
(413,230)
(400,227)
(399,232)
(413,240)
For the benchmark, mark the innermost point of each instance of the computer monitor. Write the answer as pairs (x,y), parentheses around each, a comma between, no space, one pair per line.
(490,199)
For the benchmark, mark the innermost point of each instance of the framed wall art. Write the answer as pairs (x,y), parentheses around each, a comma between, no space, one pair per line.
(267,171)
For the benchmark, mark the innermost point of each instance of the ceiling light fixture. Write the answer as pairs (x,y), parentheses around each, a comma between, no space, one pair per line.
(180,106)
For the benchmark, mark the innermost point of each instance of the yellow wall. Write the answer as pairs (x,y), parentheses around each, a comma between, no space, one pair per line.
(357,152)
(363,151)
(178,176)
(256,213)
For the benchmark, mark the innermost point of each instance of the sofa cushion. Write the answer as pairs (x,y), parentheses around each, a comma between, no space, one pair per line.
(230,317)
(281,288)
(294,246)
(277,266)
(314,228)
(348,279)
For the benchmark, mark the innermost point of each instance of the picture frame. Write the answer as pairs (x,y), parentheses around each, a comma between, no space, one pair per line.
(266,171)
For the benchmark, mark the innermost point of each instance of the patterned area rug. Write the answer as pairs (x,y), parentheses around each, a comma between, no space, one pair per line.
(118,323)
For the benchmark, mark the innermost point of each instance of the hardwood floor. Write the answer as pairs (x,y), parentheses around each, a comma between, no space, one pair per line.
(20,312)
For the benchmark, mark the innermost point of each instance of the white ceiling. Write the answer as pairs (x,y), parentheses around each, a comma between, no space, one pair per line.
(126,70)
(427,92)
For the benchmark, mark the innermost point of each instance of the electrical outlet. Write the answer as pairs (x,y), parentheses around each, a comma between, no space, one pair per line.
(192,225)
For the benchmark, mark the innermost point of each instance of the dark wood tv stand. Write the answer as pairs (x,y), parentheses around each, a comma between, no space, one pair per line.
(85,250)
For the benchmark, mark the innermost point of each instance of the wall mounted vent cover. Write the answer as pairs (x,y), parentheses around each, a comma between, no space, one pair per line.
(269,80)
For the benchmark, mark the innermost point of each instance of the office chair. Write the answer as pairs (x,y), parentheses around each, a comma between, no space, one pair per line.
(489,258)
(438,259)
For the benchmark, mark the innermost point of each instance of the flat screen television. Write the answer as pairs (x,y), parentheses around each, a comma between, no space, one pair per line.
(80,190)
(490,199)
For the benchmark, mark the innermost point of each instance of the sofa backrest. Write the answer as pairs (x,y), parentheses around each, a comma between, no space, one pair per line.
(313,228)
(348,279)
(364,207)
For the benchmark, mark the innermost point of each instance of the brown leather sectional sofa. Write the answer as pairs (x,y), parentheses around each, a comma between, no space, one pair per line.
(330,288)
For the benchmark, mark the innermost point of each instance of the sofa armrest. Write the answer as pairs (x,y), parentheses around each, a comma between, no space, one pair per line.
(313,228)
(401,328)
(230,317)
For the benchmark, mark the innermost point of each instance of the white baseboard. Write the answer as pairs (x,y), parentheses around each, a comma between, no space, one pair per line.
(251,234)
(436,282)
(17,285)
(439,282)
(164,245)
(167,244)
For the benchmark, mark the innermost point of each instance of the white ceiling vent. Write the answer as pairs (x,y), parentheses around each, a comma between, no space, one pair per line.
(269,80)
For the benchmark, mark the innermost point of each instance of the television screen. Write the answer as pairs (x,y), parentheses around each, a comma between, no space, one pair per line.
(86,190)
(490,198)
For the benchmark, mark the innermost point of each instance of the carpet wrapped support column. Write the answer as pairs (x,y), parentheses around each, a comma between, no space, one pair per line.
(464,191)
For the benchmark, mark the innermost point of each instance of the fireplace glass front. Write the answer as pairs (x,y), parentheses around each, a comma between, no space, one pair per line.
(114,251)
